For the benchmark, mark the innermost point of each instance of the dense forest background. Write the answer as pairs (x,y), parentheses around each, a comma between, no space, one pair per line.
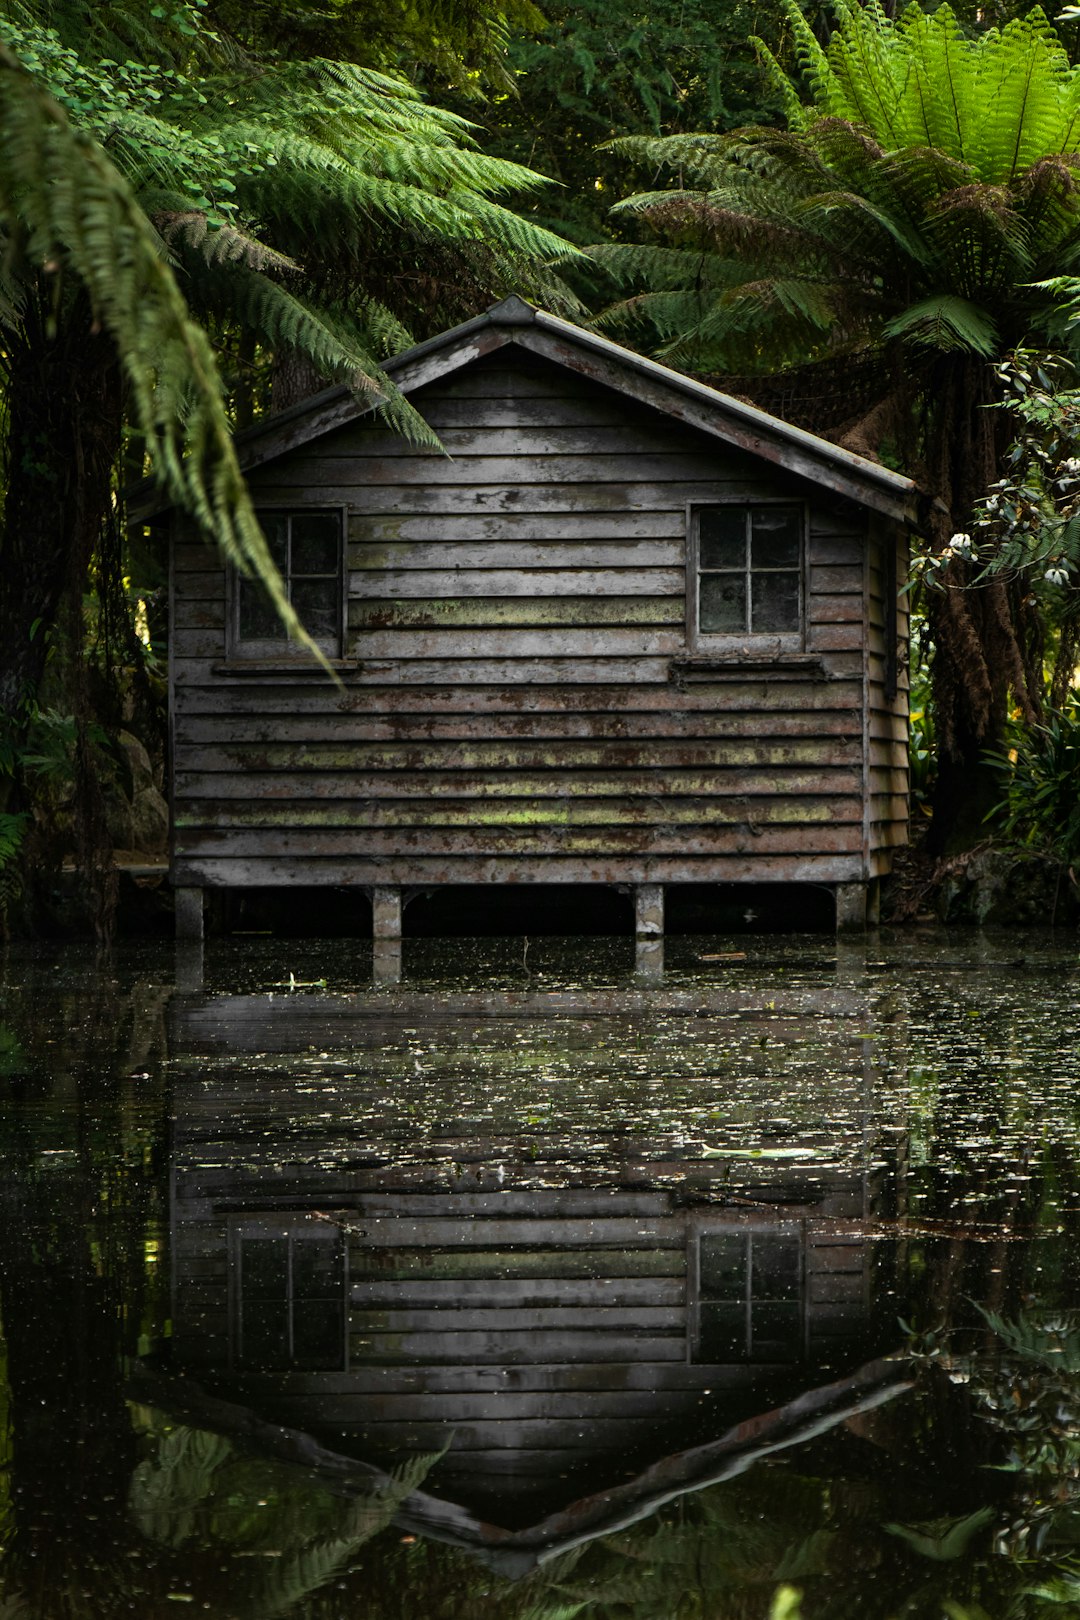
(866,222)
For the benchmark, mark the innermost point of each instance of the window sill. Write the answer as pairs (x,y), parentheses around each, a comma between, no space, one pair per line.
(737,665)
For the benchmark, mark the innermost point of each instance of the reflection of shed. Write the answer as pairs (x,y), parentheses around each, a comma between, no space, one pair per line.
(546,1337)
(555,1335)
(629,631)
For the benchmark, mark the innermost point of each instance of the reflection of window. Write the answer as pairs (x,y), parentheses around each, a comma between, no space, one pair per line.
(750,1296)
(747,571)
(288,1295)
(306,548)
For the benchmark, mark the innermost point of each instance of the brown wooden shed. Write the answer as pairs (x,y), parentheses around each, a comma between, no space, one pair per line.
(627,630)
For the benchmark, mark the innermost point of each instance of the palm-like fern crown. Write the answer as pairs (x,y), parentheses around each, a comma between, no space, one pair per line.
(931,179)
(258,176)
(258,182)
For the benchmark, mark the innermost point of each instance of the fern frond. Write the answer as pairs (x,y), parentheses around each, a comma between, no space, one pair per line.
(220,243)
(69,205)
(946,322)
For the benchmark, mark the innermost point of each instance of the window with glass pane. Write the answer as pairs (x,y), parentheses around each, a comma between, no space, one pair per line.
(750,1297)
(306,548)
(288,1298)
(749,570)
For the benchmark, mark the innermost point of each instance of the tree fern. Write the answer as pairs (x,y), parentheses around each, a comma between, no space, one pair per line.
(66,205)
(919,212)
(308,204)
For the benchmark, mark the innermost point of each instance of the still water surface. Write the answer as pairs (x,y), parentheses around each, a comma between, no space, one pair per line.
(531,1287)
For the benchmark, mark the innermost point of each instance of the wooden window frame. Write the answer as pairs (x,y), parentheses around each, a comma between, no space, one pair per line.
(695,1297)
(298,1228)
(746,641)
(280,647)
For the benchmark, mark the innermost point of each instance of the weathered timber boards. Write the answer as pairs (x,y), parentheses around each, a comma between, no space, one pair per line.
(510,1349)
(269,721)
(592,1317)
(570,754)
(605,472)
(501,1293)
(240,872)
(661,839)
(507,687)
(483,1382)
(465,675)
(462,612)
(518,497)
(221,1021)
(498,643)
(522,1445)
(460,674)
(551,1202)
(456,608)
(504,1405)
(452,579)
(711,781)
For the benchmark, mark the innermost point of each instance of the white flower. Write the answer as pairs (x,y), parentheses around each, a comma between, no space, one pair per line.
(1057,575)
(961,545)
(1071,468)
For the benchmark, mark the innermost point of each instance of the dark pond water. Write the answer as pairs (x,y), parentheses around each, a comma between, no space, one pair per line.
(536,1286)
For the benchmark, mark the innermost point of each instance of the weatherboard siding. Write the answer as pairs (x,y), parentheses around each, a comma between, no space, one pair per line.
(517,1328)
(516,702)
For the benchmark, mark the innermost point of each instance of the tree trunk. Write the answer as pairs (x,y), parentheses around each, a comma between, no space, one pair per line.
(293,379)
(977,659)
(64,437)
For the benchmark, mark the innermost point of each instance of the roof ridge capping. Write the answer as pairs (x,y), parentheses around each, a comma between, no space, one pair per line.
(513,311)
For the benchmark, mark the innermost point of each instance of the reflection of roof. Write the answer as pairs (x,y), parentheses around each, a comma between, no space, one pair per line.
(720,416)
(515,1552)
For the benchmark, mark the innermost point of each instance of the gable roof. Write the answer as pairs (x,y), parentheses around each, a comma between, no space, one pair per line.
(514,322)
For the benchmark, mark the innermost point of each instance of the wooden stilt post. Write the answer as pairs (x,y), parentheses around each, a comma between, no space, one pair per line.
(386,933)
(649,910)
(851,908)
(386,913)
(188,908)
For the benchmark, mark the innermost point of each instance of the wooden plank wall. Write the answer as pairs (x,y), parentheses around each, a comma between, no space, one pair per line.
(513,715)
(887,697)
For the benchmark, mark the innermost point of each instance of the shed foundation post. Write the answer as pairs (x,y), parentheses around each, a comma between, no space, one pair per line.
(189,967)
(188,909)
(851,908)
(386,913)
(649,910)
(386,961)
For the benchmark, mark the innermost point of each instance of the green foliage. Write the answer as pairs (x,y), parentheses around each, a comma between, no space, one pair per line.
(1040,807)
(65,205)
(912,223)
(894,208)
(599,70)
(193,1491)
(922,752)
(292,197)
(943,1540)
(247,175)
(1029,520)
(457,42)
